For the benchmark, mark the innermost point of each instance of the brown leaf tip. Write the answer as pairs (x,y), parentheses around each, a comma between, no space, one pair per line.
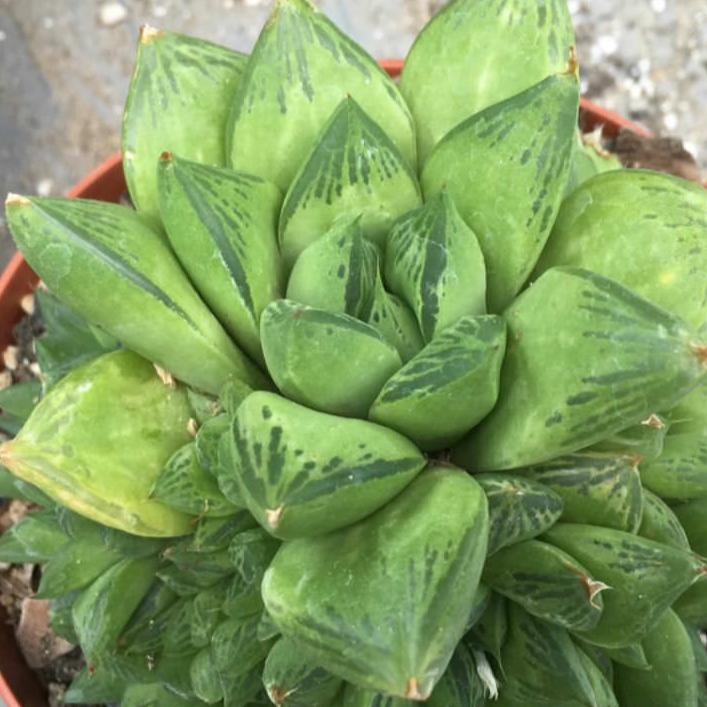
(166,156)
(412,690)
(654,422)
(192,427)
(165,376)
(277,694)
(273,516)
(149,34)
(700,351)
(16,200)
(572,62)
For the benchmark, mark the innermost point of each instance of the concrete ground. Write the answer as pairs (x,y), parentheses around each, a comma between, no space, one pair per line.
(65,67)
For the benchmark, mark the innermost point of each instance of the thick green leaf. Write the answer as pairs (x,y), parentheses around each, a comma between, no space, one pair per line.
(473,54)
(112,419)
(179,99)
(207,441)
(673,677)
(153,695)
(235,646)
(434,262)
(112,268)
(691,606)
(291,680)
(204,678)
(353,170)
(91,686)
(301,68)
(681,470)
(203,406)
(660,523)
(491,630)
(519,509)
(250,553)
(35,538)
(144,631)
(298,482)
(328,361)
(61,619)
(645,440)
(449,386)
(216,533)
(645,578)
(68,340)
(206,613)
(589,157)
(460,686)
(534,655)
(202,568)
(511,210)
(644,229)
(337,272)
(601,685)
(19,400)
(547,583)
(222,227)
(611,360)
(632,656)
(185,486)
(693,518)
(595,488)
(423,552)
(101,612)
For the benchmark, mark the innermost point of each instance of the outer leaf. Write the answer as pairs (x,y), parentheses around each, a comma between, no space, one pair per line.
(519,509)
(108,265)
(16,404)
(222,226)
(445,389)
(614,359)
(644,440)
(35,538)
(423,552)
(326,360)
(679,472)
(178,100)
(185,486)
(337,272)
(152,695)
(460,686)
(354,169)
(547,583)
(292,681)
(511,210)
(297,482)
(534,655)
(250,553)
(693,519)
(207,441)
(205,678)
(691,606)
(650,239)
(112,418)
(673,677)
(61,620)
(601,685)
(632,656)
(101,612)
(434,262)
(491,630)
(68,340)
(645,578)
(660,523)
(354,696)
(596,489)
(472,55)
(301,68)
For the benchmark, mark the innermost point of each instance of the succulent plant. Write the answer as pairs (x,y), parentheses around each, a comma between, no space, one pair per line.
(379,395)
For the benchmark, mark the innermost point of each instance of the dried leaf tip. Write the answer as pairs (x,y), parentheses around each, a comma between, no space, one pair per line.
(654,422)
(166,156)
(412,690)
(149,34)
(192,427)
(273,516)
(593,588)
(165,376)
(16,200)
(572,62)
(701,352)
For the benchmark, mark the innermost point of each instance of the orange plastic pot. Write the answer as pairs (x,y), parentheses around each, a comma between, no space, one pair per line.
(18,685)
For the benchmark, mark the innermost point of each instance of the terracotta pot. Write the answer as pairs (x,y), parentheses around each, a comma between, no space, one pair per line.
(18,685)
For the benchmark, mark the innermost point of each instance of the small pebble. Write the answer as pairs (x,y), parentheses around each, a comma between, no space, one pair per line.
(35,369)
(112,13)
(27,304)
(5,379)
(9,357)
(3,35)
(159,11)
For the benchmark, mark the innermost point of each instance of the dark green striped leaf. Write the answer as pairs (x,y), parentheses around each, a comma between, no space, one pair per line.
(222,227)
(632,656)
(186,487)
(235,646)
(596,489)
(291,680)
(35,538)
(328,361)
(491,630)
(473,54)
(643,229)
(645,440)
(445,389)
(644,577)
(205,678)
(460,686)
(354,696)
(608,361)
(519,508)
(206,613)
(511,210)
(207,441)
(353,170)
(693,519)
(107,264)
(601,685)
(337,272)
(297,481)
(660,523)
(423,552)
(547,583)
(179,99)
(216,533)
(691,606)
(301,68)
(434,262)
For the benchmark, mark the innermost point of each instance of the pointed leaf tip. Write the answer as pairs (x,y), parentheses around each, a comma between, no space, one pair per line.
(701,352)
(572,62)
(149,34)
(274,515)
(16,200)
(166,156)
(412,690)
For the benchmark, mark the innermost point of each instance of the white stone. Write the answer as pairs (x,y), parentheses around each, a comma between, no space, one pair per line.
(112,13)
